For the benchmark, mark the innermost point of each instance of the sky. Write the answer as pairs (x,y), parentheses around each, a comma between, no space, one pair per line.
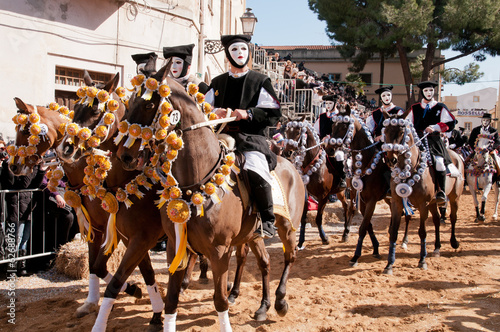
(291,22)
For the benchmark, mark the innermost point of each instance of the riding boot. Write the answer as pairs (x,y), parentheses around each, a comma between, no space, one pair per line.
(21,264)
(262,194)
(441,187)
(339,166)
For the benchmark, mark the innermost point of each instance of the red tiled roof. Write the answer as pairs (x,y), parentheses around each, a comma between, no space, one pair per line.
(309,47)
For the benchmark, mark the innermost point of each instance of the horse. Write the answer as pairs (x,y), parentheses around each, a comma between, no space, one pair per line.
(412,181)
(225,222)
(368,180)
(482,174)
(318,173)
(98,121)
(52,120)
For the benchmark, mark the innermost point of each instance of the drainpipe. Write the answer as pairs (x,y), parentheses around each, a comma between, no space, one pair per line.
(201,41)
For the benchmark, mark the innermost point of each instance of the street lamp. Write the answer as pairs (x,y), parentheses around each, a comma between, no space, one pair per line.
(248,21)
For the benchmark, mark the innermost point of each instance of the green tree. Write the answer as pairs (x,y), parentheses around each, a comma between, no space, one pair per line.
(466,26)
(470,73)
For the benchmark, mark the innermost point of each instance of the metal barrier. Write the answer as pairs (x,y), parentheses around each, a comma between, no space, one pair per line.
(10,230)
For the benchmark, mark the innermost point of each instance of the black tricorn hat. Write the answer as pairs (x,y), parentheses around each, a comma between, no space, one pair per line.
(330,98)
(227,40)
(144,57)
(185,52)
(383,88)
(426,84)
(488,116)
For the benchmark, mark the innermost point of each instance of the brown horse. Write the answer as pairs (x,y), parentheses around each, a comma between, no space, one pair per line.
(368,176)
(222,225)
(413,181)
(74,172)
(318,173)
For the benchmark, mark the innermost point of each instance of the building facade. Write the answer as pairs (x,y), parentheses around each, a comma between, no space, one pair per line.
(48,44)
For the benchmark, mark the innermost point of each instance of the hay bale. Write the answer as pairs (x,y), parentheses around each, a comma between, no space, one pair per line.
(72,259)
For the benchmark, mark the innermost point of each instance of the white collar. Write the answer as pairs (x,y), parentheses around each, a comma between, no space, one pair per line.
(432,103)
(388,107)
(236,75)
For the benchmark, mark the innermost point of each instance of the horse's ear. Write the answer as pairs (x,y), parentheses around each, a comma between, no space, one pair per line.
(385,114)
(302,118)
(150,66)
(22,106)
(112,84)
(87,79)
(347,109)
(163,72)
(405,114)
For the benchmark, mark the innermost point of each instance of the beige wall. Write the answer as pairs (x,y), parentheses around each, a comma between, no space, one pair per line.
(100,35)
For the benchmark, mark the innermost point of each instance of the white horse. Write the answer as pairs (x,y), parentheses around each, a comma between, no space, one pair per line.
(480,174)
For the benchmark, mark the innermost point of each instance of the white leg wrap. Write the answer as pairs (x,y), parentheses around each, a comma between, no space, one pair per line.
(339,155)
(169,323)
(102,317)
(93,296)
(108,278)
(440,166)
(155,297)
(225,325)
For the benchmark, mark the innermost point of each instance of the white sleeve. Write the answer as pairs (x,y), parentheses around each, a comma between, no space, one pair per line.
(410,117)
(316,126)
(265,100)
(209,97)
(370,123)
(445,116)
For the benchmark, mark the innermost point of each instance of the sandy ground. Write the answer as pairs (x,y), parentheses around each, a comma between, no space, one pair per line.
(460,291)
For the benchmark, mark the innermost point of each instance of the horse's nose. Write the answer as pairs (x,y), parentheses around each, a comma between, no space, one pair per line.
(14,168)
(68,149)
(126,158)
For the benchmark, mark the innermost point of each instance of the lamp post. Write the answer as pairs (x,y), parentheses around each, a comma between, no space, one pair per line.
(248,20)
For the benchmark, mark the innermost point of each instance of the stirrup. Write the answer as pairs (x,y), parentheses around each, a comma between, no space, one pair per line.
(440,198)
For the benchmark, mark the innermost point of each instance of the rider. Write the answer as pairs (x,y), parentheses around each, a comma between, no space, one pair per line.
(375,120)
(142,59)
(251,97)
(324,127)
(485,128)
(181,64)
(432,118)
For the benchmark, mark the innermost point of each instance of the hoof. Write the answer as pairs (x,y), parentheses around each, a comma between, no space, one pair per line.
(404,246)
(345,238)
(282,312)
(455,244)
(261,314)
(436,253)
(353,263)
(377,256)
(494,217)
(86,309)
(325,242)
(231,298)
(155,324)
(388,271)
(423,265)
(134,290)
(481,218)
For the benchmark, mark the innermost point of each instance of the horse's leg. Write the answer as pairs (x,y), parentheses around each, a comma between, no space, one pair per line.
(287,236)
(241,259)
(148,274)
(486,191)
(302,235)
(259,249)
(319,219)
(220,264)
(173,292)
(347,221)
(404,244)
(453,220)
(203,279)
(188,271)
(472,185)
(365,226)
(497,199)
(135,253)
(396,210)
(422,232)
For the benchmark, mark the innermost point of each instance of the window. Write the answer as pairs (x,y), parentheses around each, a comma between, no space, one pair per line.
(367,78)
(74,77)
(334,77)
(468,126)
(475,99)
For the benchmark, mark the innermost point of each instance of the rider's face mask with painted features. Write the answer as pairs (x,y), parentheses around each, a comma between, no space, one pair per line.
(428,93)
(486,122)
(239,53)
(177,66)
(329,105)
(386,97)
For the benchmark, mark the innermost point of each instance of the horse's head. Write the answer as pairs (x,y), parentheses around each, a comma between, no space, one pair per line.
(296,135)
(397,136)
(153,112)
(36,132)
(344,127)
(484,144)
(95,118)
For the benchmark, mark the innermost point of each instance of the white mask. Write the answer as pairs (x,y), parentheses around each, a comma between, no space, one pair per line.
(485,122)
(239,53)
(177,65)
(329,105)
(428,93)
(386,97)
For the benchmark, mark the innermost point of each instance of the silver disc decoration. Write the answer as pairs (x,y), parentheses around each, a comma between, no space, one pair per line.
(357,183)
(403,190)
